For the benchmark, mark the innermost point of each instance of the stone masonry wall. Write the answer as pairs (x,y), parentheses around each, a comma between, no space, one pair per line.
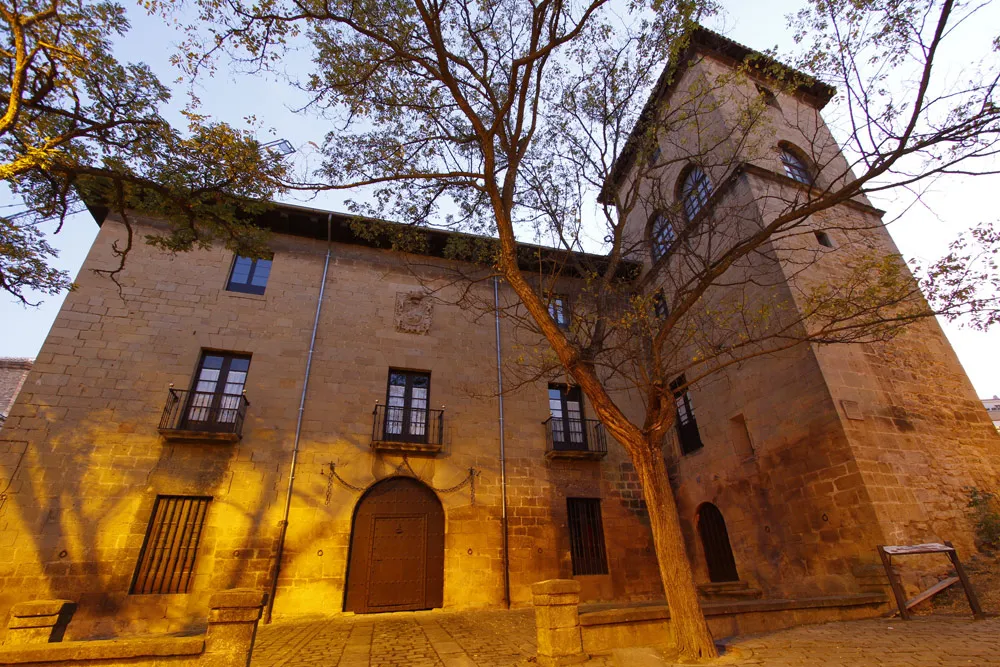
(86,422)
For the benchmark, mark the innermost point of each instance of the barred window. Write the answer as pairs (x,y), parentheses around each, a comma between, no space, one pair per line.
(166,561)
(586,536)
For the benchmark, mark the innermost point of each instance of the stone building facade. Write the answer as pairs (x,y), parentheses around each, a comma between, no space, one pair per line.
(148,457)
(820,452)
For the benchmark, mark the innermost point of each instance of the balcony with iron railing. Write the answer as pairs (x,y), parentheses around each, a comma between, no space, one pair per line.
(200,415)
(407,429)
(575,439)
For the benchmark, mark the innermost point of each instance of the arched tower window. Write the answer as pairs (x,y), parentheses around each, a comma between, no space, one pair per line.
(795,165)
(662,235)
(695,191)
(715,540)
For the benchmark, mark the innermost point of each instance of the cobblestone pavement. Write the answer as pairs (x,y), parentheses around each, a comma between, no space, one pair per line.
(506,638)
(922,642)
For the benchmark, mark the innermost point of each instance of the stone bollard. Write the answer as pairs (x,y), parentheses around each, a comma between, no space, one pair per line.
(232,627)
(38,622)
(557,622)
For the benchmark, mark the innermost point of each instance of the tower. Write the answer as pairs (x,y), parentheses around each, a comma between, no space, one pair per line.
(805,455)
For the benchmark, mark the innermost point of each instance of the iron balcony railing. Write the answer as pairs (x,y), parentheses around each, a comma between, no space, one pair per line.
(575,436)
(406,427)
(201,414)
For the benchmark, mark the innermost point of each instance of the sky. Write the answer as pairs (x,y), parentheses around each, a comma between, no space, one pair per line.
(923,232)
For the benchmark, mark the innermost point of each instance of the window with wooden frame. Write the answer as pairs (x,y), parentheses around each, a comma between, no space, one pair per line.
(566,417)
(687,425)
(586,536)
(407,400)
(214,402)
(663,236)
(559,310)
(166,561)
(249,275)
(694,191)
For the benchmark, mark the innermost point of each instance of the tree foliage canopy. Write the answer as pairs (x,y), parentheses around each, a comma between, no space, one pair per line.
(76,121)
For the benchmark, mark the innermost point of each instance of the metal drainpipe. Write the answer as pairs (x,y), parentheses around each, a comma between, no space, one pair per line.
(503,462)
(298,429)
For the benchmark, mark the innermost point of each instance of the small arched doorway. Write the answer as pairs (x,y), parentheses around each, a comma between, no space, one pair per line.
(715,541)
(396,559)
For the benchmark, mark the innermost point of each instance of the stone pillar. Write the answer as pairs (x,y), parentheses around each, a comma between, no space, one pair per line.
(232,627)
(38,622)
(557,622)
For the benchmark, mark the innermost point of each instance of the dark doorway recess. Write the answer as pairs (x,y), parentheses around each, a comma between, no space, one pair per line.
(396,560)
(715,540)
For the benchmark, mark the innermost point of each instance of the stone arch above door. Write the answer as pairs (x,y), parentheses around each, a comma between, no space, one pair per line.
(396,559)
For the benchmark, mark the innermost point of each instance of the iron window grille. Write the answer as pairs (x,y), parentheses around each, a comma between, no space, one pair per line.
(581,435)
(586,536)
(664,236)
(166,561)
(687,425)
(695,191)
(795,167)
(249,275)
(559,310)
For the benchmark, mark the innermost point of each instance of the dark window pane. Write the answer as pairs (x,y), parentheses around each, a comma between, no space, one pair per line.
(687,425)
(241,270)
(212,361)
(238,364)
(261,271)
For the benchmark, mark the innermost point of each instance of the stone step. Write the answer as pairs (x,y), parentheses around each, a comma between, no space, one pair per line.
(738,590)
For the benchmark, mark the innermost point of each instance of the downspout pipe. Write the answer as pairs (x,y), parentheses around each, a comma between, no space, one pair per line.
(298,429)
(503,461)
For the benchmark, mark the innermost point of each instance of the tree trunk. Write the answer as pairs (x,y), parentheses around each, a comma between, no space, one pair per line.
(694,641)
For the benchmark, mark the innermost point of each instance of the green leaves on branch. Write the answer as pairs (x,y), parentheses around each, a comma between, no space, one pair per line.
(79,123)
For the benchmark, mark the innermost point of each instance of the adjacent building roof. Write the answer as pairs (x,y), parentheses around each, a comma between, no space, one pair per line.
(309,222)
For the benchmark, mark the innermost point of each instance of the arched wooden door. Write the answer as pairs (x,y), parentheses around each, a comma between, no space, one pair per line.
(396,561)
(715,540)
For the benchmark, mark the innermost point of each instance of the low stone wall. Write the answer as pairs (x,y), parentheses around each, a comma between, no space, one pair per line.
(35,629)
(567,633)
